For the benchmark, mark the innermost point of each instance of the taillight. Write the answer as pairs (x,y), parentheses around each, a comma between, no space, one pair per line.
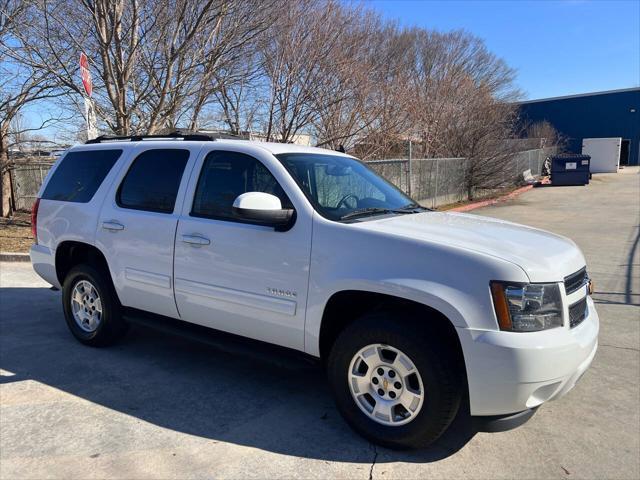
(34,220)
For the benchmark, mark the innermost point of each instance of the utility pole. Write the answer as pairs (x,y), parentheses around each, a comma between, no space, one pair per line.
(409,169)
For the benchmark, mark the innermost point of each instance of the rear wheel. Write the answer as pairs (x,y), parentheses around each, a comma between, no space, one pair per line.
(395,382)
(91,308)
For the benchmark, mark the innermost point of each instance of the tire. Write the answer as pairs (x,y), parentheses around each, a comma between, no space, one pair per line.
(437,366)
(100,330)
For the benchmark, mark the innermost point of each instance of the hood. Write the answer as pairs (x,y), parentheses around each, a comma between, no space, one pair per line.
(544,256)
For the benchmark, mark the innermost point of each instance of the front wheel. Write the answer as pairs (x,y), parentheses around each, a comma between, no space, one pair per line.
(395,382)
(91,307)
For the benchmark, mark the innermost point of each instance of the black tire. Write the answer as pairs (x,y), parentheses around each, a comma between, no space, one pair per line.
(433,356)
(112,326)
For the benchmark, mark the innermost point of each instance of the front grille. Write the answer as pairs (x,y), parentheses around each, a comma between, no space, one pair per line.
(575,281)
(577,312)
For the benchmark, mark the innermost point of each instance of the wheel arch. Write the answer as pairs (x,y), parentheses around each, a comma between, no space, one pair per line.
(345,306)
(70,253)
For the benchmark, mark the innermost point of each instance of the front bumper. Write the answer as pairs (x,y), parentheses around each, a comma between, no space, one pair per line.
(510,372)
(502,423)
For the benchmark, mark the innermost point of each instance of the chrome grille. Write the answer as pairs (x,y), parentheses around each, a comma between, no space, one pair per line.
(575,281)
(577,312)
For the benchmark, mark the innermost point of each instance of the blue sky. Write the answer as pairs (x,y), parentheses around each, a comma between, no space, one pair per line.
(557,47)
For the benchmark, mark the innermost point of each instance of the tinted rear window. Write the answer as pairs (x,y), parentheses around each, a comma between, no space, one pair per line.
(153,180)
(79,175)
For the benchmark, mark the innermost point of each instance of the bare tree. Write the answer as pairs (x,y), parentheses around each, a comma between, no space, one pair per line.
(303,45)
(152,65)
(20,86)
(450,68)
(365,86)
(419,86)
(238,97)
(478,130)
(385,132)
(333,70)
(545,134)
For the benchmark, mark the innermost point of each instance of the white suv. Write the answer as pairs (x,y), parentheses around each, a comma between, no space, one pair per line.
(411,311)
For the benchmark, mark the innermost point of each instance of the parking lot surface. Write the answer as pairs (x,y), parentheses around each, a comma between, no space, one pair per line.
(157,406)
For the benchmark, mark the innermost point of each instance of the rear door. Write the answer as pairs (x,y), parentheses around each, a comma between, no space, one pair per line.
(137,224)
(235,276)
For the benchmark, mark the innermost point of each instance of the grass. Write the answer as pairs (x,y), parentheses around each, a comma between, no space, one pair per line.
(15,233)
(495,194)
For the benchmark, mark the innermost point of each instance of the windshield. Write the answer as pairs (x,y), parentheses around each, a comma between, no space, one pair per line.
(342,188)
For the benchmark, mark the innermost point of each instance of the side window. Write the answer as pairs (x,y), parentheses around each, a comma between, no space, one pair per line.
(153,180)
(224,176)
(80,174)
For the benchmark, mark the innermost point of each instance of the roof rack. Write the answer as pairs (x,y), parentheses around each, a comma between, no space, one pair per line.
(175,135)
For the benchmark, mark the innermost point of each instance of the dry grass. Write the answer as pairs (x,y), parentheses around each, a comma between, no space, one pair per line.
(480,198)
(15,233)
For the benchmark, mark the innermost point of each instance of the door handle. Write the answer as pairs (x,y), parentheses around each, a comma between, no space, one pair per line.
(112,225)
(196,240)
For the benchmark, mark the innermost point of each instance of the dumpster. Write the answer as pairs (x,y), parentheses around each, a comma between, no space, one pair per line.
(570,169)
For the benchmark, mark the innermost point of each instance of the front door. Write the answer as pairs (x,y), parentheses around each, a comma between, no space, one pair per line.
(238,277)
(137,226)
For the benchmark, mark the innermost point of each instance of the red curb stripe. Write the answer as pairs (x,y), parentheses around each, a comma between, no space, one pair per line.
(486,203)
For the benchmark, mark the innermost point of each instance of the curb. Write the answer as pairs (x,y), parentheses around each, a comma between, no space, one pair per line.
(486,203)
(14,257)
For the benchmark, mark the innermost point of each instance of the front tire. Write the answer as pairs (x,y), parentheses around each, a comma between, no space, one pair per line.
(91,307)
(395,381)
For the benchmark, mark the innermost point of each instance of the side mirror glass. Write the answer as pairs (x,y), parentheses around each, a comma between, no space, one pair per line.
(263,209)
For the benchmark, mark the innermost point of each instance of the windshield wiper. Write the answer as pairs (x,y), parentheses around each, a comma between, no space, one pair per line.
(377,211)
(365,211)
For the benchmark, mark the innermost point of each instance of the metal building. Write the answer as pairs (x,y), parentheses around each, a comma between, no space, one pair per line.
(614,113)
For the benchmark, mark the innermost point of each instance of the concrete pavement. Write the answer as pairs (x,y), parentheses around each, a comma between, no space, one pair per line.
(156,406)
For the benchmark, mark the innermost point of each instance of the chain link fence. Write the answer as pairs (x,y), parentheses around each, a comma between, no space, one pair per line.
(431,181)
(441,181)
(26,179)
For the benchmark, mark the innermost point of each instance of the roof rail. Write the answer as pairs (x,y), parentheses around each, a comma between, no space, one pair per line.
(175,135)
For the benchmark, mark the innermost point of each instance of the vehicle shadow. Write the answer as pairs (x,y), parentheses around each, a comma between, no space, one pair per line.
(190,387)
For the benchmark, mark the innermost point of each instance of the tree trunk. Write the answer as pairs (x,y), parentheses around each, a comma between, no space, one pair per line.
(470,180)
(5,195)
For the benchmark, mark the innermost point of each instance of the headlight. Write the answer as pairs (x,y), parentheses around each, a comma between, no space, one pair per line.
(527,308)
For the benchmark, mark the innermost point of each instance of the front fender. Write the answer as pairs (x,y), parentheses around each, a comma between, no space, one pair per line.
(439,297)
(447,278)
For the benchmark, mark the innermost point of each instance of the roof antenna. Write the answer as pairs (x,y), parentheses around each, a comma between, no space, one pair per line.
(341,149)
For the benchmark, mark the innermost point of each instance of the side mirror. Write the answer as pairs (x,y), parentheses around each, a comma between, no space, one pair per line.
(262,209)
